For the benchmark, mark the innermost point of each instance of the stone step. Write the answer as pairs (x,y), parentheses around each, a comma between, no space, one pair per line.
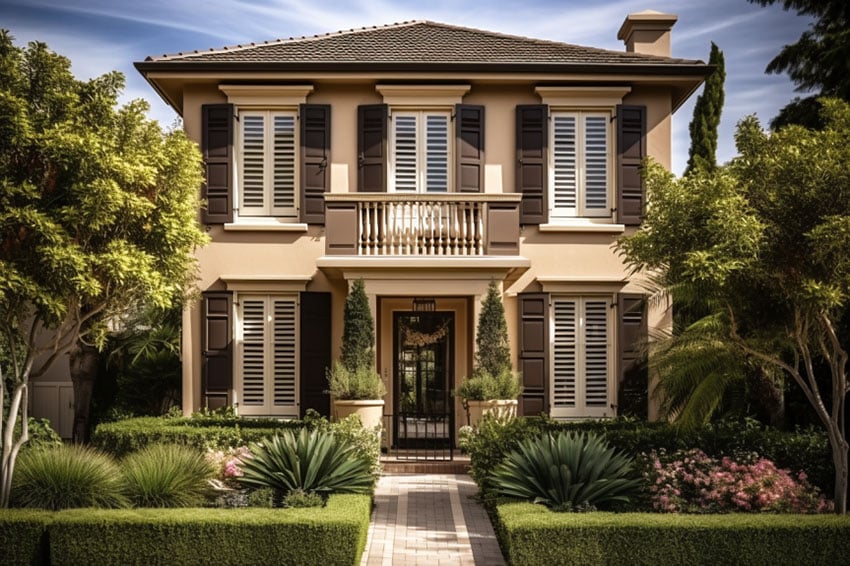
(393,466)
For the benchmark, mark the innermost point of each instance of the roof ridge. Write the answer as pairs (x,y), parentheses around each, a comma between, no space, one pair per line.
(405,23)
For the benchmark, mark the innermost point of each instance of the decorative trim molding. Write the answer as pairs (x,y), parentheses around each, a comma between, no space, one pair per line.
(266,283)
(584,96)
(581,284)
(422,95)
(266,95)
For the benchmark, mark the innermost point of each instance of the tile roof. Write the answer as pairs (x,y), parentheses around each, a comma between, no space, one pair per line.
(419,42)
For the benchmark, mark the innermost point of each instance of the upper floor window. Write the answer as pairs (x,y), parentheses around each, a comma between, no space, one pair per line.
(580,164)
(267,163)
(421,151)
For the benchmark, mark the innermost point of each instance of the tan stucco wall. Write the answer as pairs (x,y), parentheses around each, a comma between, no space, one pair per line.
(587,256)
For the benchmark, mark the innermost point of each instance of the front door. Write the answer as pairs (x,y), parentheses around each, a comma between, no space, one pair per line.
(423,380)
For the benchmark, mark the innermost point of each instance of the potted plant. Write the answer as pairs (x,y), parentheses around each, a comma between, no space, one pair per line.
(493,386)
(353,382)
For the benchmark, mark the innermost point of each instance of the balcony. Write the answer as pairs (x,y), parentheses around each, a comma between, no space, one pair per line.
(446,225)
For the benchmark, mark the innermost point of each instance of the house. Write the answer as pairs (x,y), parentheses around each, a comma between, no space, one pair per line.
(427,160)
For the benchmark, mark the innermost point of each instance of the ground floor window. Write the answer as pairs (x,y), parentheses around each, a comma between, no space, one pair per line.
(581,360)
(266,361)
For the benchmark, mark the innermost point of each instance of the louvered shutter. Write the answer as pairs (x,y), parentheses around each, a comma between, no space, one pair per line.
(216,348)
(283,164)
(372,148)
(596,159)
(315,352)
(565,164)
(631,149)
(252,174)
(581,357)
(436,152)
(315,157)
(217,150)
(405,152)
(268,357)
(531,177)
(633,375)
(469,141)
(534,352)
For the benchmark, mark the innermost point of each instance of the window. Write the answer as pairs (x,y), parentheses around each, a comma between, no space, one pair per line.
(267,163)
(266,364)
(580,164)
(581,358)
(421,151)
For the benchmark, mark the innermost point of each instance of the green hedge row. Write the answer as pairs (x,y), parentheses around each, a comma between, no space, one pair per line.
(531,534)
(122,437)
(796,451)
(335,534)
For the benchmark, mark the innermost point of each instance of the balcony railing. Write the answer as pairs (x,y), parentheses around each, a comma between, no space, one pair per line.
(397,224)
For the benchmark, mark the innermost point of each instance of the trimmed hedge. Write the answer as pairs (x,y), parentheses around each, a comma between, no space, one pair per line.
(531,535)
(334,534)
(122,437)
(23,536)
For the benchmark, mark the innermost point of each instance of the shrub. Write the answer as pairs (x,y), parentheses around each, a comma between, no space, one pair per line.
(328,536)
(311,460)
(358,330)
(23,536)
(166,475)
(359,383)
(63,477)
(300,499)
(532,535)
(227,464)
(566,472)
(363,442)
(692,482)
(495,437)
(483,386)
(493,351)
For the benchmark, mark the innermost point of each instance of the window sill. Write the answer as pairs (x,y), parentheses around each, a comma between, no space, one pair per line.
(264,225)
(584,227)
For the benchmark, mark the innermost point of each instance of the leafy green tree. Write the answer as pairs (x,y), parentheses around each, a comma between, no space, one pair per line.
(764,242)
(358,333)
(706,120)
(491,339)
(97,217)
(818,62)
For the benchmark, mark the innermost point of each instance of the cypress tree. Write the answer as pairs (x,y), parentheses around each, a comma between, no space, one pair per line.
(494,353)
(358,333)
(706,120)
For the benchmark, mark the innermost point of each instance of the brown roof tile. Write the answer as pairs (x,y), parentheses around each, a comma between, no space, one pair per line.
(419,42)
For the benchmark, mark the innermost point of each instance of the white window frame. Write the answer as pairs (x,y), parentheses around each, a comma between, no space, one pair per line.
(268,408)
(580,408)
(421,115)
(605,214)
(268,209)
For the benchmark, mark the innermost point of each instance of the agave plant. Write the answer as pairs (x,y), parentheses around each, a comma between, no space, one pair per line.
(312,461)
(565,471)
(64,477)
(166,475)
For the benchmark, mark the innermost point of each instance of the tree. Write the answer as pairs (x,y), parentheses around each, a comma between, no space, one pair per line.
(706,120)
(764,241)
(818,62)
(494,351)
(358,333)
(98,215)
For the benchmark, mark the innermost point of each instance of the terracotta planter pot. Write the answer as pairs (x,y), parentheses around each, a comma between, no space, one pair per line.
(371,411)
(496,407)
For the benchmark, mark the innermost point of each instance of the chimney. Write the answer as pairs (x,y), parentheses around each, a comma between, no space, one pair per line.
(647,32)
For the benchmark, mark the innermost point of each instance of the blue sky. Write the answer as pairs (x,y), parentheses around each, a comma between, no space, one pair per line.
(103,35)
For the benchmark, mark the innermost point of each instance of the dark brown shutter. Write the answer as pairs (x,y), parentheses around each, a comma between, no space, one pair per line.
(534,352)
(315,352)
(469,134)
(217,348)
(631,149)
(372,148)
(532,133)
(633,376)
(315,157)
(217,148)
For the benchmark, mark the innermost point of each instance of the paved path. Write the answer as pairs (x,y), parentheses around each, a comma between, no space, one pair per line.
(429,519)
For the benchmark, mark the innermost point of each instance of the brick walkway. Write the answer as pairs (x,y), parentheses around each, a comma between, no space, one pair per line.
(430,520)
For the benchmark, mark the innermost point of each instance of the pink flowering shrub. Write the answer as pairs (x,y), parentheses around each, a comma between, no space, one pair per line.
(227,464)
(692,482)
